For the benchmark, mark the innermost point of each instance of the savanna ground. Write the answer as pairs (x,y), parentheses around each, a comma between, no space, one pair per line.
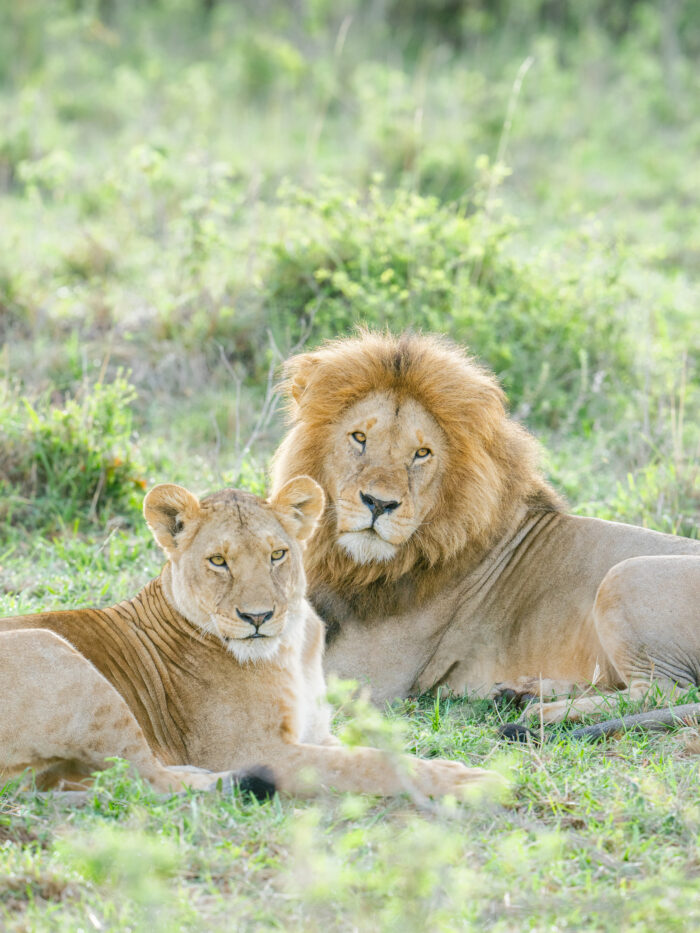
(191,190)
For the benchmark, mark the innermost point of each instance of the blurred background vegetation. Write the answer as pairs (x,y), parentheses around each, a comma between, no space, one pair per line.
(189,190)
(192,189)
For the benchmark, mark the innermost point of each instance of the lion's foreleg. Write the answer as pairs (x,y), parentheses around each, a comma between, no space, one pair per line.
(306,770)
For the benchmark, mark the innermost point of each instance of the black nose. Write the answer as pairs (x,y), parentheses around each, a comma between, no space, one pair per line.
(378,506)
(256,619)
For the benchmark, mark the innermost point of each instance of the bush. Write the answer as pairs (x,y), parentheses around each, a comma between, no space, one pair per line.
(68,462)
(555,339)
(663,495)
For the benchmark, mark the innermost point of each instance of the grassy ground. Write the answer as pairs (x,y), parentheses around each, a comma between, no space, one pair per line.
(186,198)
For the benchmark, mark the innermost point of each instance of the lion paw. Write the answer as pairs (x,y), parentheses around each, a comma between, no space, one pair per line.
(438,777)
(188,776)
(508,695)
(524,691)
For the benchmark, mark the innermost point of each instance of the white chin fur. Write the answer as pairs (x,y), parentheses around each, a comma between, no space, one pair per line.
(257,649)
(365,547)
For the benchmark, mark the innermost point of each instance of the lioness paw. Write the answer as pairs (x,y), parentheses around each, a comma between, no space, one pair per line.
(181,777)
(438,777)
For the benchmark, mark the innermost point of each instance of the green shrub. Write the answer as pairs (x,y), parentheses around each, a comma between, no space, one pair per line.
(554,337)
(70,461)
(663,495)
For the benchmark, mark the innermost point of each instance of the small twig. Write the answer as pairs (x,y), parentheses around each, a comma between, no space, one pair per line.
(652,720)
(106,541)
(655,719)
(96,497)
(237,381)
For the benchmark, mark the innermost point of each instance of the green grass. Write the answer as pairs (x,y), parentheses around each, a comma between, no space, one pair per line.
(186,198)
(596,837)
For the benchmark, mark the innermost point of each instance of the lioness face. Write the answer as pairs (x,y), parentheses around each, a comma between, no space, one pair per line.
(236,561)
(383,474)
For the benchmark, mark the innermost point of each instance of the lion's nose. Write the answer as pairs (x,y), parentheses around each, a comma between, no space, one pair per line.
(256,619)
(378,506)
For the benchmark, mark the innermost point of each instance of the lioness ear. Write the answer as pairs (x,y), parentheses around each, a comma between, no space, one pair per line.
(299,504)
(297,371)
(168,509)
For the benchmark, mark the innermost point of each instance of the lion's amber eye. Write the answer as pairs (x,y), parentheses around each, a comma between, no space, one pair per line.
(278,554)
(359,436)
(217,560)
(422,453)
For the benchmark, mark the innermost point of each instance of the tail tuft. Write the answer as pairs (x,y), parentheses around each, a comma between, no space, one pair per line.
(516,732)
(258,782)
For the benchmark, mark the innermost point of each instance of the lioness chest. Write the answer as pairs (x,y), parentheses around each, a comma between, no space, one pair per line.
(230,714)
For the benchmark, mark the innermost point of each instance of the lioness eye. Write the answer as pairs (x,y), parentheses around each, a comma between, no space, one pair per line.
(359,436)
(217,560)
(278,554)
(423,452)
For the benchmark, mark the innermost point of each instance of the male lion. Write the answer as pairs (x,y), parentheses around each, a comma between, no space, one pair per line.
(216,663)
(443,557)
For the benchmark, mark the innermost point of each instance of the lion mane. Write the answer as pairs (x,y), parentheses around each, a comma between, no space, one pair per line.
(492,461)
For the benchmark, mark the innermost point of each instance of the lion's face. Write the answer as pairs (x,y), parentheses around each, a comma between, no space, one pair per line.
(383,474)
(236,562)
(409,438)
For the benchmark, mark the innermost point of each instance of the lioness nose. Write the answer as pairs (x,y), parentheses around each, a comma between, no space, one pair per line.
(256,619)
(378,506)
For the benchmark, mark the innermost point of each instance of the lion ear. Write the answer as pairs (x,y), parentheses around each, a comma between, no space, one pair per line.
(299,505)
(168,510)
(298,372)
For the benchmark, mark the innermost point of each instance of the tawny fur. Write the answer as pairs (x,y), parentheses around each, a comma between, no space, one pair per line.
(174,678)
(492,581)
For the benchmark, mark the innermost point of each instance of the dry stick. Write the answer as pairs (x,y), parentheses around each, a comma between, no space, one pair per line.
(315,135)
(501,151)
(507,125)
(653,719)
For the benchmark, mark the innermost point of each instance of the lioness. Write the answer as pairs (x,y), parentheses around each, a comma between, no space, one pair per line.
(443,557)
(217,663)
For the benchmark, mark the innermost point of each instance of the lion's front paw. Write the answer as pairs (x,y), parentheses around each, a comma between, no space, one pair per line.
(524,691)
(438,777)
(511,693)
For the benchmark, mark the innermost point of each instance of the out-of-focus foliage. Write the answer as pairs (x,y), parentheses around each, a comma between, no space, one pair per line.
(411,263)
(189,189)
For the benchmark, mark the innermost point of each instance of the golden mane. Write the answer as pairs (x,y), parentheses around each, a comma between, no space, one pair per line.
(492,466)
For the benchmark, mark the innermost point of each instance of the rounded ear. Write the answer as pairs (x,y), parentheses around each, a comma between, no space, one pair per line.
(297,371)
(168,509)
(299,504)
